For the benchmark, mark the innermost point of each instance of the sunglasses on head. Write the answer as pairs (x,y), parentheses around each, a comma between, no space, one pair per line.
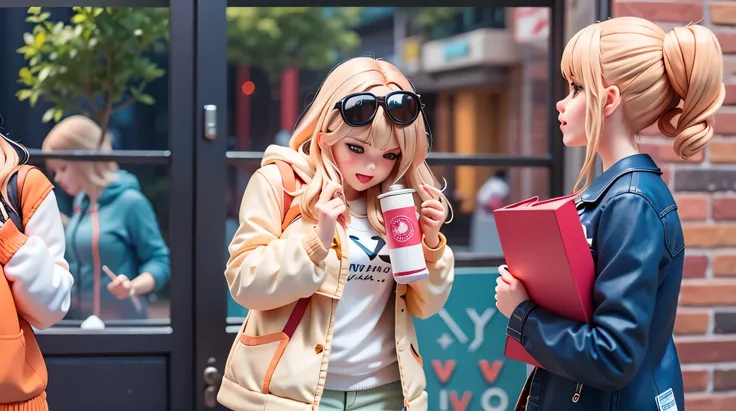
(359,109)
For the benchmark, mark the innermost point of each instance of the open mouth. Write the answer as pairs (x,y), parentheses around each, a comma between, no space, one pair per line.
(363,178)
(563,123)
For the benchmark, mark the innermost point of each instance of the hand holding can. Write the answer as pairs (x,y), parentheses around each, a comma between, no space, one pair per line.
(403,235)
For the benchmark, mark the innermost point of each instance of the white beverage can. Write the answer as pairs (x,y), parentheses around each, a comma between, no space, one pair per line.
(403,236)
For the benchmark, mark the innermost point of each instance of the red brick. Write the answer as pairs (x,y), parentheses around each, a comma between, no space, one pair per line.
(728,43)
(722,12)
(692,207)
(707,293)
(710,402)
(724,265)
(723,151)
(664,152)
(674,11)
(724,380)
(705,350)
(695,380)
(704,235)
(729,65)
(724,208)
(695,266)
(725,123)
(730,90)
(690,321)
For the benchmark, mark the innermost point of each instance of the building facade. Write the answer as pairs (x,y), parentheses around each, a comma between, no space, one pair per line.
(704,189)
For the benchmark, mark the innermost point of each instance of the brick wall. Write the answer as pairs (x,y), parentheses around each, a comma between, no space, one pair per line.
(704,186)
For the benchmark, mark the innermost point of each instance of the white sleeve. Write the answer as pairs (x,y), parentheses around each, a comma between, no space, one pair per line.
(38,273)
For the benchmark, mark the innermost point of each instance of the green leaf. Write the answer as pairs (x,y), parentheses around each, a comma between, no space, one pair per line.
(28,38)
(48,115)
(58,115)
(34,10)
(79,18)
(145,99)
(25,75)
(39,39)
(23,94)
(43,74)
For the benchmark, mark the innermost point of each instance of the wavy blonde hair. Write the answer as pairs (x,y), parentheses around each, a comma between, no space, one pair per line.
(81,133)
(660,75)
(10,162)
(322,125)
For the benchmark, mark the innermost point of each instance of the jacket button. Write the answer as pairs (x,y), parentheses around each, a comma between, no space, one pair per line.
(318,348)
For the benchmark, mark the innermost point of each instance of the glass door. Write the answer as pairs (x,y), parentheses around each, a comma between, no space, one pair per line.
(492,118)
(125,66)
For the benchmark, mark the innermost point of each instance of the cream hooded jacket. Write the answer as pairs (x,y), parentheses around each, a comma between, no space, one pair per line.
(270,270)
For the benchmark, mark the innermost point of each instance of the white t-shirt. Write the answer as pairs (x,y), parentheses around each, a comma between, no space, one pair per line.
(363,353)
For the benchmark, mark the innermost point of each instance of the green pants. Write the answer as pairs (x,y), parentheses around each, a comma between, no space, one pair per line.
(387,397)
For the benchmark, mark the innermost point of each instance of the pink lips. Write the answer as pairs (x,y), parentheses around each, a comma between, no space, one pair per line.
(363,178)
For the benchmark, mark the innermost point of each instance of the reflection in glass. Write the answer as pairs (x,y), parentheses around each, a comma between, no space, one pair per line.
(114,231)
(61,68)
(238,177)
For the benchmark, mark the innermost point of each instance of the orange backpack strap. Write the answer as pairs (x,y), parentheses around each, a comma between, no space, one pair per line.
(288,179)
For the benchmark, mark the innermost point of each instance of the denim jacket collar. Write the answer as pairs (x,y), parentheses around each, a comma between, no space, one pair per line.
(636,162)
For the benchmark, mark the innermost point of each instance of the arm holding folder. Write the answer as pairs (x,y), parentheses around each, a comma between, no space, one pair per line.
(607,350)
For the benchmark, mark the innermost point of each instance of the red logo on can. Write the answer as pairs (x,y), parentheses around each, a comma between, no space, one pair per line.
(402,230)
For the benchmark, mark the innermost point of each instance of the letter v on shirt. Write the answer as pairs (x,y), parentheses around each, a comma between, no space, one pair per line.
(363,355)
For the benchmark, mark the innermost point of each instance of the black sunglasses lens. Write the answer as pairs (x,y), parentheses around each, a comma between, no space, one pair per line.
(404,108)
(358,110)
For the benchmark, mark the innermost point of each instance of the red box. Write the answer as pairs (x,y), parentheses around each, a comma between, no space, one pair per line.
(545,246)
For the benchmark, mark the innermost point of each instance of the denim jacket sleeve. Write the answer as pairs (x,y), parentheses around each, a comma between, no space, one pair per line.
(607,353)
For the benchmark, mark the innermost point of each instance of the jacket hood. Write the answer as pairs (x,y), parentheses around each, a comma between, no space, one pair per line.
(124,181)
(299,161)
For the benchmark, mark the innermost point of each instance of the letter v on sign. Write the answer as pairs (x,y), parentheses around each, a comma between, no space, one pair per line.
(490,371)
(443,370)
(460,404)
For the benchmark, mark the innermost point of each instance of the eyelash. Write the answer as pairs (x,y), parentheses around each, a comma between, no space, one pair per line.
(575,89)
(359,150)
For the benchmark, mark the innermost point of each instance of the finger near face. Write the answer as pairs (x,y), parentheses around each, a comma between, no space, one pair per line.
(435,204)
(425,222)
(433,214)
(335,202)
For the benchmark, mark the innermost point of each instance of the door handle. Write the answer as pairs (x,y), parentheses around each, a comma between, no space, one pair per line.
(212,380)
(212,376)
(210,122)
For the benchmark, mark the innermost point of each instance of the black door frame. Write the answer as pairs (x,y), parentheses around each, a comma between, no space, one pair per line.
(197,77)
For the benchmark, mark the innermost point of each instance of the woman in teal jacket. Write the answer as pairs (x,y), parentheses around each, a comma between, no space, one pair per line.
(113,243)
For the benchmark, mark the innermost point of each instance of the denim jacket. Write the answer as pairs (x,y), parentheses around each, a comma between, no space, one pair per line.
(626,356)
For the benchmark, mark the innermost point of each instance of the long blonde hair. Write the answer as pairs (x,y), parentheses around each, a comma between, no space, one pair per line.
(10,162)
(655,72)
(81,133)
(323,125)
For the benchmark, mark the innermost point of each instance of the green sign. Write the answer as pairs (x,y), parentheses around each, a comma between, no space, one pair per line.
(462,349)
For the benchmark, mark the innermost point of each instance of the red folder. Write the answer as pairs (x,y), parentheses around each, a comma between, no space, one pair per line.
(545,247)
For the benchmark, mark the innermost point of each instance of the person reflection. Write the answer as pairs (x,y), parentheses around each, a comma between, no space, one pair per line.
(114,245)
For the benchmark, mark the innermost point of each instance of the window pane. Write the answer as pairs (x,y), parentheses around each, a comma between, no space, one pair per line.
(74,75)
(485,85)
(127,232)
